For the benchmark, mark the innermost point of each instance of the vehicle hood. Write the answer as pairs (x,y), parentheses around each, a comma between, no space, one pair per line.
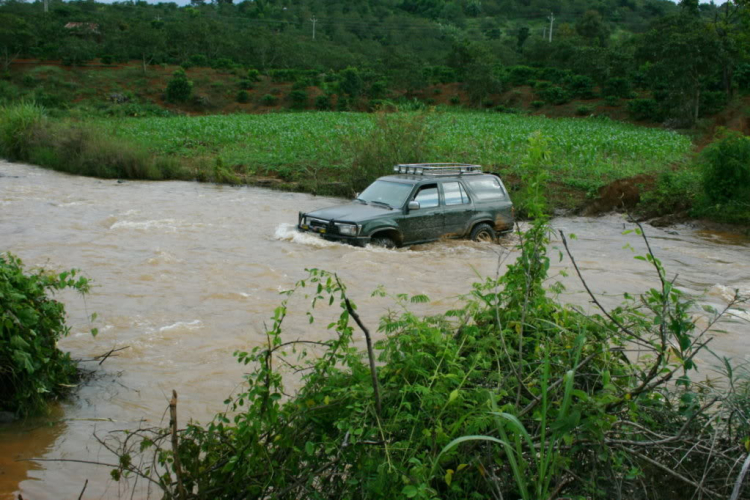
(352,212)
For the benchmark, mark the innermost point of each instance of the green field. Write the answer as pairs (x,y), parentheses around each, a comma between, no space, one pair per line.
(587,152)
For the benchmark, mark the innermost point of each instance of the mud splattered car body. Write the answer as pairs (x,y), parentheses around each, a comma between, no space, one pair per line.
(417,204)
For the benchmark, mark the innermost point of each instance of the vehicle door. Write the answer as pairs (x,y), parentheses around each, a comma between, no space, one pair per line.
(425,223)
(458,209)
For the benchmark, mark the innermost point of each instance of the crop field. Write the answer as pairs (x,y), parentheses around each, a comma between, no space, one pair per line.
(586,152)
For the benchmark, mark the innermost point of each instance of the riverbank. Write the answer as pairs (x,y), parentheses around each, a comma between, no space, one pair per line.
(340,153)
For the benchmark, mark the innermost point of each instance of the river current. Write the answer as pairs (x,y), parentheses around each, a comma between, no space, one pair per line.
(186,273)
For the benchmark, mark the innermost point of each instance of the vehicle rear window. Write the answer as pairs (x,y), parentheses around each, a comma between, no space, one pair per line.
(486,188)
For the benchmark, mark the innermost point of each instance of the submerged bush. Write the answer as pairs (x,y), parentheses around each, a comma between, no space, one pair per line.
(33,370)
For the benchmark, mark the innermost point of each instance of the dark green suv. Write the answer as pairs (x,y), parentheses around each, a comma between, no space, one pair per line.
(419,203)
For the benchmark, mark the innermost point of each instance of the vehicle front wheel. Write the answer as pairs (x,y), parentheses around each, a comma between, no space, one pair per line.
(483,232)
(383,242)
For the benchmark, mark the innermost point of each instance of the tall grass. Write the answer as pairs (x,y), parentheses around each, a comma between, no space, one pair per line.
(27,135)
(395,138)
(18,125)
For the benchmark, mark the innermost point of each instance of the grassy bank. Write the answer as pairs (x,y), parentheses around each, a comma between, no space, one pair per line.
(588,152)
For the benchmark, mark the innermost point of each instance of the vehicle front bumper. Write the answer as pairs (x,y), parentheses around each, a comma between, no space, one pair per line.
(329,234)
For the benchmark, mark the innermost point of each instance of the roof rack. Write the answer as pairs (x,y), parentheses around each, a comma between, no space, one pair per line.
(437,169)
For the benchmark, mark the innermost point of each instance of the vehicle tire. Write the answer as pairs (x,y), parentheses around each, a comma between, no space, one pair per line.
(483,232)
(383,242)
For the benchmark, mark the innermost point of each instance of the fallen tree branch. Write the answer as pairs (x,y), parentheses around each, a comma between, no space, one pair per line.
(368,339)
(176,444)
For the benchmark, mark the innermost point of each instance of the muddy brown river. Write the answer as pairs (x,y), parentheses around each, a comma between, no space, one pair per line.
(186,273)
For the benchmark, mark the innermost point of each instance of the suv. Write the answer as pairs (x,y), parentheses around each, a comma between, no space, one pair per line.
(419,203)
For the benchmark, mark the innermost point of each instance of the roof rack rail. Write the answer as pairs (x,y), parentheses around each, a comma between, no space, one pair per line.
(437,169)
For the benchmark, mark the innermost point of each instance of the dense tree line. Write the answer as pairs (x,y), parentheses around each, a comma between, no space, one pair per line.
(686,58)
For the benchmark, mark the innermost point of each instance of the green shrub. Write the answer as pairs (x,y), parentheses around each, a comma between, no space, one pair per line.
(555,95)
(378,89)
(18,125)
(107,59)
(253,75)
(521,75)
(455,100)
(298,98)
(581,86)
(584,110)
(28,80)
(726,170)
(301,84)
(323,102)
(537,104)
(555,75)
(243,96)
(223,63)
(343,103)
(350,82)
(246,84)
(617,87)
(439,74)
(179,87)
(644,109)
(674,192)
(198,60)
(711,102)
(9,92)
(612,100)
(34,370)
(269,100)
(541,85)
(283,75)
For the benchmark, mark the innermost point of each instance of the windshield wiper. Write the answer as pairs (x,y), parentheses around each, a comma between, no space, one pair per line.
(360,200)
(384,204)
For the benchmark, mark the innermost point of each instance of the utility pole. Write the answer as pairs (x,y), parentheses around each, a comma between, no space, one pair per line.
(551,22)
(314,20)
(46,6)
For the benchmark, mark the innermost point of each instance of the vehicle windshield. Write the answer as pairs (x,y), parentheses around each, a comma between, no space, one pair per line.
(393,194)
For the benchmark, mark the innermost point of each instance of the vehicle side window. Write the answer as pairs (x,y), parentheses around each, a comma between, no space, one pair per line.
(454,194)
(486,188)
(428,196)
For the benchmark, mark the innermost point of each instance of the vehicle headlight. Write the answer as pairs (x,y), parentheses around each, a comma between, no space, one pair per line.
(347,229)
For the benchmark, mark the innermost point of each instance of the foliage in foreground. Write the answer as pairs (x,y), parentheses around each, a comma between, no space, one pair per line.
(32,369)
(512,395)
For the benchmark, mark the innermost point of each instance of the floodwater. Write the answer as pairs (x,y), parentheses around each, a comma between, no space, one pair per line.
(187,273)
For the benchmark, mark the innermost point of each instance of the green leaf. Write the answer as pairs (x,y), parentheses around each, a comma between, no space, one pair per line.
(453,396)
(410,491)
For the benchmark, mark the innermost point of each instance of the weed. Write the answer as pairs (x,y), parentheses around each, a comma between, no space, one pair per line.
(34,370)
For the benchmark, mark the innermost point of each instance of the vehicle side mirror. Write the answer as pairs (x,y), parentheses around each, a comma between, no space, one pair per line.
(356,195)
(413,205)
